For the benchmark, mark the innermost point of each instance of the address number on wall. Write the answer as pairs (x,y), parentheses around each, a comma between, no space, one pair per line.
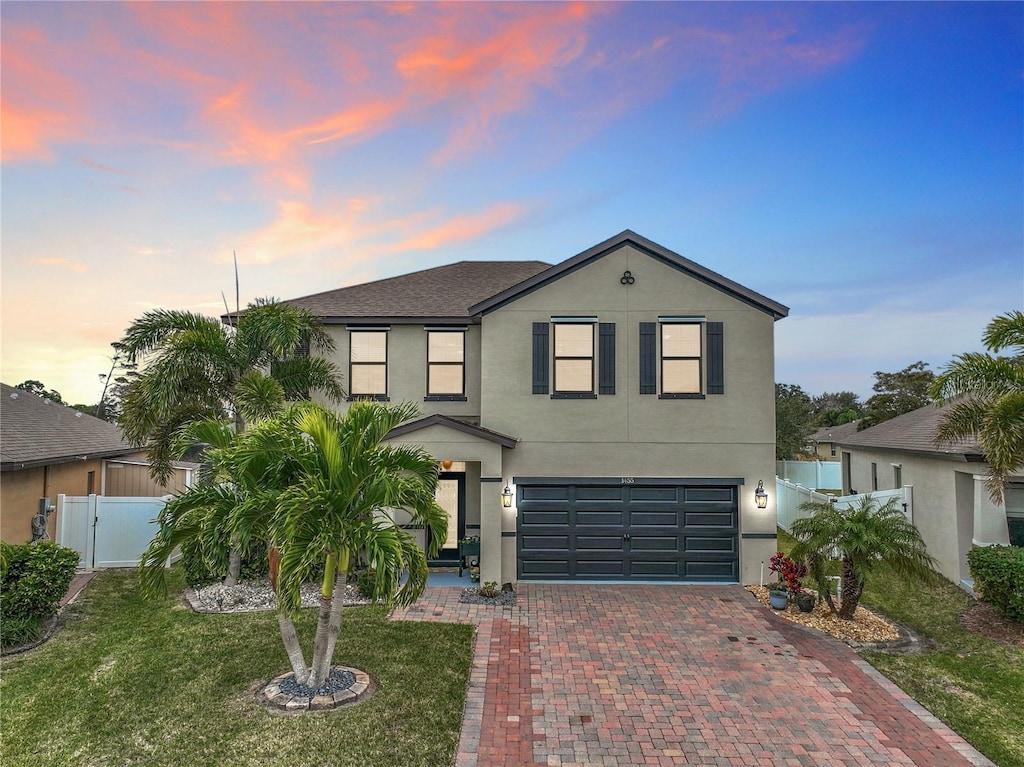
(628,480)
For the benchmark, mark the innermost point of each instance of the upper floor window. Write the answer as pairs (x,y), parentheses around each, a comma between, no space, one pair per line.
(574,358)
(446,364)
(368,363)
(681,358)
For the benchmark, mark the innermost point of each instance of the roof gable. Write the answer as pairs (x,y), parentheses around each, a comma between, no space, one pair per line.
(452,423)
(36,431)
(642,244)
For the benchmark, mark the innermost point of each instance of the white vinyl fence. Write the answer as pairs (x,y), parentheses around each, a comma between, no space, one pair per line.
(107,531)
(791,496)
(812,474)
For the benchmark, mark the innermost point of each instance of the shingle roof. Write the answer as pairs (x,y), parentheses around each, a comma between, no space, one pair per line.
(835,433)
(35,431)
(913,431)
(452,423)
(441,293)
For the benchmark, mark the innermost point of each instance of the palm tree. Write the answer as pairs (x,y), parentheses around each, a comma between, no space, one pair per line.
(321,489)
(196,369)
(863,537)
(987,392)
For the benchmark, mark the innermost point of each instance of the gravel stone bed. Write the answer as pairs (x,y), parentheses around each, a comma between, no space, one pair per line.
(251,596)
(474,597)
(339,680)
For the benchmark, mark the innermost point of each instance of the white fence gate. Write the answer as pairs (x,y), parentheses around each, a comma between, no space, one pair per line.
(812,474)
(791,495)
(107,531)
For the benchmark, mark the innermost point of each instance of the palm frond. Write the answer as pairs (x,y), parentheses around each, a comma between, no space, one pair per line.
(152,329)
(1005,331)
(257,396)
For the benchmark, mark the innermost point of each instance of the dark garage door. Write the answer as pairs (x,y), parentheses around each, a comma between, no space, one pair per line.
(639,531)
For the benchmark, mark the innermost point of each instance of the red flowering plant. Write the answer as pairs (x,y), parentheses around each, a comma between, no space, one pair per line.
(789,573)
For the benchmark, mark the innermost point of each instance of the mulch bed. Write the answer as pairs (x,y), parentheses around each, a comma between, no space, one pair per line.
(982,618)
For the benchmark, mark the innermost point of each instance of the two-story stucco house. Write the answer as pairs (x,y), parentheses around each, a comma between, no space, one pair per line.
(625,398)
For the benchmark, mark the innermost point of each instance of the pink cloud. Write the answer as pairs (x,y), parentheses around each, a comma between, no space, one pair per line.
(63,263)
(462,228)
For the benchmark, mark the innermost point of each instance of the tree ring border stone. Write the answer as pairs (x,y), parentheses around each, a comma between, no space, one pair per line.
(271,696)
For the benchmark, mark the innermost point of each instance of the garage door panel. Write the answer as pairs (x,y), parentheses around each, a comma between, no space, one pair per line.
(600,518)
(546,542)
(600,568)
(639,543)
(695,544)
(668,519)
(605,493)
(585,543)
(663,494)
(721,519)
(720,494)
(710,570)
(544,518)
(539,568)
(545,493)
(662,568)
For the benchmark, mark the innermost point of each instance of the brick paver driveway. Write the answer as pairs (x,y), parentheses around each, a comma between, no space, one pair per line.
(580,674)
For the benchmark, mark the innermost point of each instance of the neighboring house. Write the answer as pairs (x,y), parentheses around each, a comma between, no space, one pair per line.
(48,449)
(824,442)
(624,397)
(952,508)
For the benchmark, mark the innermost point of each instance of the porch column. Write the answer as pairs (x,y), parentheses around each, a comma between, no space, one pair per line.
(990,528)
(490,530)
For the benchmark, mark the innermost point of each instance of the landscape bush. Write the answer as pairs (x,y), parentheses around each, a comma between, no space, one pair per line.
(33,580)
(203,568)
(998,573)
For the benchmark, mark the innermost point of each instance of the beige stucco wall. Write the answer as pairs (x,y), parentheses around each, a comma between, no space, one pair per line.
(942,490)
(626,434)
(20,492)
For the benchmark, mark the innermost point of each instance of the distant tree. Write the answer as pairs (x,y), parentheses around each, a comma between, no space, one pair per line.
(39,389)
(794,422)
(836,408)
(988,395)
(898,393)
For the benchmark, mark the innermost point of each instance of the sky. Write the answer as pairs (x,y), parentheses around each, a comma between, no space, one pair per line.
(862,164)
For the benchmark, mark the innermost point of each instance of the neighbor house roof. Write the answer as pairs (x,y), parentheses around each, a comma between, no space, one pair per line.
(653,249)
(914,432)
(438,294)
(835,433)
(35,432)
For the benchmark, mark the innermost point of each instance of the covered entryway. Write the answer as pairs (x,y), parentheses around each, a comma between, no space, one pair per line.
(451,496)
(625,528)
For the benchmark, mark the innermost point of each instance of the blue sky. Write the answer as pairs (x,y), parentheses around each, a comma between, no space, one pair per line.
(860,163)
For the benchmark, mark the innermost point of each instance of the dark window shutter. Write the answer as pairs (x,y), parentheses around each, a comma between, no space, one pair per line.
(540,358)
(716,358)
(606,354)
(648,357)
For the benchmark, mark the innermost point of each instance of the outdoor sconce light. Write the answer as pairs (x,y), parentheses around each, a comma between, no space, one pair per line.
(760,496)
(506,498)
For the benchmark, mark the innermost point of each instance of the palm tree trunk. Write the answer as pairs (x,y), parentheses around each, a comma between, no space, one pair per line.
(852,589)
(293,648)
(322,664)
(234,564)
(318,672)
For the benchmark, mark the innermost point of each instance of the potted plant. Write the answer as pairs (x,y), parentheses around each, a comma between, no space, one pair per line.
(805,600)
(788,585)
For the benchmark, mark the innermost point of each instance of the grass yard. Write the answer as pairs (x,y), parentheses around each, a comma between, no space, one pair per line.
(131,682)
(973,684)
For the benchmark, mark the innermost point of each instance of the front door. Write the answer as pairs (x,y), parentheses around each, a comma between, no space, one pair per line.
(451,496)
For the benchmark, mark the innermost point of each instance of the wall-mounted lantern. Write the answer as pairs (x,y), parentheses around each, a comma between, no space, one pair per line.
(760,496)
(506,497)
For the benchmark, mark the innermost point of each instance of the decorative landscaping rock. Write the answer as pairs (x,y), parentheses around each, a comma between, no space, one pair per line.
(253,596)
(344,686)
(474,597)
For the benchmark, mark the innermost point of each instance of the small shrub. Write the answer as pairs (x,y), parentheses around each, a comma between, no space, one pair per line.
(490,590)
(35,577)
(203,567)
(366,581)
(998,573)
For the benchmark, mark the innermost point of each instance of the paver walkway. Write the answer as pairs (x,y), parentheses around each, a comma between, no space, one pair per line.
(588,675)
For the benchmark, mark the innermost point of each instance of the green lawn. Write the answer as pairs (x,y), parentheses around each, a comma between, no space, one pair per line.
(973,684)
(131,682)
